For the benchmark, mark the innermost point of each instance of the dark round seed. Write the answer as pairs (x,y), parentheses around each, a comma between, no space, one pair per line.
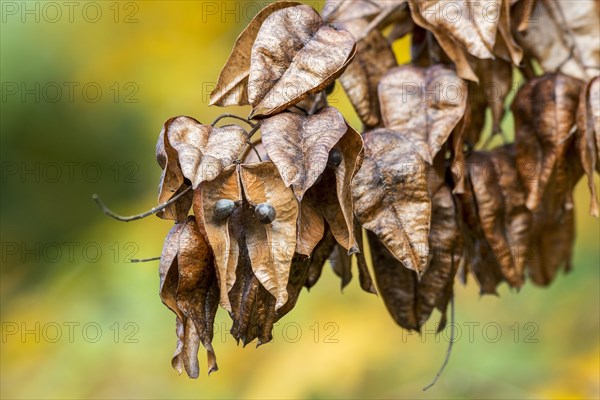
(223,209)
(335,158)
(265,213)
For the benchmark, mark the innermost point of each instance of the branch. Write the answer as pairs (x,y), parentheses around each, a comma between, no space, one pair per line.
(154,210)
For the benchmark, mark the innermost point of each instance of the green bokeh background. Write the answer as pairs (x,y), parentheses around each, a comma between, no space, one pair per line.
(166,55)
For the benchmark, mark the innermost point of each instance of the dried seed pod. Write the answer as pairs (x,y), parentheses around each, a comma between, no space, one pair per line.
(265,213)
(223,209)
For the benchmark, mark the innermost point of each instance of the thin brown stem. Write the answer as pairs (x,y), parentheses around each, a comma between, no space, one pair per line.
(142,260)
(220,117)
(449,350)
(255,151)
(154,210)
(378,20)
(254,129)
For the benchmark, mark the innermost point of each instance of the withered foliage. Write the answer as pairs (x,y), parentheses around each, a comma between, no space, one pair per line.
(434,200)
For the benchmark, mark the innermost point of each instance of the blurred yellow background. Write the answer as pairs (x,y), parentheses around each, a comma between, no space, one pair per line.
(86,87)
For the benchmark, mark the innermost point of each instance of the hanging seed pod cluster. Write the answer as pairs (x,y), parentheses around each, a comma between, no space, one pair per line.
(257,219)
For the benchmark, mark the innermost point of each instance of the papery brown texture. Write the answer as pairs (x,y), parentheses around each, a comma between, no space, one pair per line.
(495,83)
(374,57)
(225,247)
(319,257)
(341,263)
(411,300)
(300,145)
(506,46)
(197,291)
(189,288)
(232,86)
(455,52)
(544,111)
(485,175)
(553,227)
(445,243)
(347,10)
(336,207)
(294,55)
(423,104)
(168,273)
(171,180)
(203,151)
(471,24)
(391,197)
(564,37)
(270,246)
(588,136)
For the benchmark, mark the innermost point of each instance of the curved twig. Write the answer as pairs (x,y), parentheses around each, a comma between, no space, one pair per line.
(154,210)
(142,260)
(220,117)
(449,350)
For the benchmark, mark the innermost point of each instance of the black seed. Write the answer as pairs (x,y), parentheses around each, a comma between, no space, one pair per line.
(265,213)
(335,158)
(223,209)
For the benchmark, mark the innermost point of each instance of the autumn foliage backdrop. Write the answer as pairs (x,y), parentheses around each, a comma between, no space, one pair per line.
(153,60)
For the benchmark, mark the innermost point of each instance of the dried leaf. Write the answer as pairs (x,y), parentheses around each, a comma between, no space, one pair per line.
(253,307)
(295,55)
(564,38)
(396,284)
(243,292)
(485,175)
(477,105)
(171,180)
(224,246)
(259,305)
(336,207)
(374,57)
(424,104)
(300,145)
(409,300)
(588,136)
(478,256)
(270,246)
(544,111)
(189,353)
(553,227)
(341,264)
(472,24)
(298,275)
(517,219)
(364,276)
(232,86)
(391,197)
(197,292)
(445,242)
(168,273)
(311,228)
(177,360)
(495,83)
(506,47)
(203,150)
(521,13)
(348,10)
(453,50)
(552,245)
(319,258)
(351,149)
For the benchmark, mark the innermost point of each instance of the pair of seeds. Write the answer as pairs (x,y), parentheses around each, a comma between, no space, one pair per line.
(264,212)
